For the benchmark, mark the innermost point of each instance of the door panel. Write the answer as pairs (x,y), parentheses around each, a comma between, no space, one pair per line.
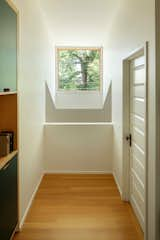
(138,153)
(139,91)
(139,61)
(139,75)
(138,132)
(138,138)
(138,168)
(138,122)
(138,202)
(138,107)
(139,185)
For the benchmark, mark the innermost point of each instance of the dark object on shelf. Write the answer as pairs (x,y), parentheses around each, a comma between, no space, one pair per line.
(8,199)
(6,90)
(6,143)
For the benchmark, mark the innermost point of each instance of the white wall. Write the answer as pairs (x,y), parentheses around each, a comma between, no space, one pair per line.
(133,24)
(78,115)
(31,88)
(79,100)
(78,148)
(79,23)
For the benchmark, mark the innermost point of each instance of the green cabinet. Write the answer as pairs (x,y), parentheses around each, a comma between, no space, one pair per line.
(8,47)
(8,199)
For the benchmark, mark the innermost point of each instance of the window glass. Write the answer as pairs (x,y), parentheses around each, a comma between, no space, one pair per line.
(79,68)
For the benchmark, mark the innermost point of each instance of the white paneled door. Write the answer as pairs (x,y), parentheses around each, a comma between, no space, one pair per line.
(137,137)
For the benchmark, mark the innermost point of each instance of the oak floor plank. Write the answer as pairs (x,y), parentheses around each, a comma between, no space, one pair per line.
(79,207)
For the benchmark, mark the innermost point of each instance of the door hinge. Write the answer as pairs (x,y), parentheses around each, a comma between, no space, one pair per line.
(129,139)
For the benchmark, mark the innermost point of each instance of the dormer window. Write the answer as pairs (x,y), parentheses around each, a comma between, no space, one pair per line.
(79,68)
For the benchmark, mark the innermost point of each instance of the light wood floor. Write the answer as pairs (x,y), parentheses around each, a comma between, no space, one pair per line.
(79,207)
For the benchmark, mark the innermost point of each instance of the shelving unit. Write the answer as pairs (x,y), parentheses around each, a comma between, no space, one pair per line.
(9,209)
(7,93)
(8,68)
(8,113)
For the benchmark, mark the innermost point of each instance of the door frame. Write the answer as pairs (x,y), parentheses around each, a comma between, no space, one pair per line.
(157,164)
(143,51)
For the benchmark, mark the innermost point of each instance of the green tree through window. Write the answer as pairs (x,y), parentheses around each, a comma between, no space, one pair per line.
(79,68)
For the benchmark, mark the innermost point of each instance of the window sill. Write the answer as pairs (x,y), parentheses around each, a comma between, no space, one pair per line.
(78,92)
(78,124)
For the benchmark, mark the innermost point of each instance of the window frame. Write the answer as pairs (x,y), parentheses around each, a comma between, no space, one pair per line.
(58,90)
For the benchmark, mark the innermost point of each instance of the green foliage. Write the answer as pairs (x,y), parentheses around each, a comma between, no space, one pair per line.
(79,69)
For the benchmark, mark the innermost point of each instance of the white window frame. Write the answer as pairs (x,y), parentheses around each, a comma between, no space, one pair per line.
(58,90)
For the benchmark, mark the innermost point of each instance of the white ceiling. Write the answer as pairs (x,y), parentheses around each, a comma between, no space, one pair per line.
(73,19)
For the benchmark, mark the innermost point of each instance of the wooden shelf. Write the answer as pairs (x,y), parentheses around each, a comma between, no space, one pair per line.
(8,113)
(7,93)
(6,159)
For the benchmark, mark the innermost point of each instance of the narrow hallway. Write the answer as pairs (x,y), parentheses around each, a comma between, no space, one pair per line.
(79,207)
(79,125)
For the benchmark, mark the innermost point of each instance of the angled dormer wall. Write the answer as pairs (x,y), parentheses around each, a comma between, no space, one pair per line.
(78,115)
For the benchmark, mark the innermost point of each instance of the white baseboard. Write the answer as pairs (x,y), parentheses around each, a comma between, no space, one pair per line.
(30,203)
(118,185)
(76,172)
